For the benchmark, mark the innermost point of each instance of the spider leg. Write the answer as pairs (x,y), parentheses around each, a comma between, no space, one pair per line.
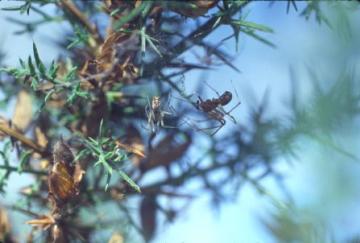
(149,115)
(168,100)
(216,92)
(218,127)
(206,120)
(151,120)
(191,124)
(167,113)
(209,128)
(148,110)
(173,113)
(187,98)
(215,115)
(228,112)
(166,126)
(153,126)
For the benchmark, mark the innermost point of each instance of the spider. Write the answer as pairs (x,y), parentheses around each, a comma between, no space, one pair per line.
(155,115)
(214,109)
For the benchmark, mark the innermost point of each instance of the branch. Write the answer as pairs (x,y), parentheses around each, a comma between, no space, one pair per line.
(31,171)
(71,8)
(24,140)
(193,38)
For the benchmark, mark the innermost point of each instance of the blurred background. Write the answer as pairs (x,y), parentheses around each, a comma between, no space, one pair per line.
(309,81)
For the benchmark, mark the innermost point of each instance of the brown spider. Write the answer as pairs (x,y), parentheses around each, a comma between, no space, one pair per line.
(214,108)
(209,105)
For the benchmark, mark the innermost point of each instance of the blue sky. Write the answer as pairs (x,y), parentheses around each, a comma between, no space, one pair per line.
(300,44)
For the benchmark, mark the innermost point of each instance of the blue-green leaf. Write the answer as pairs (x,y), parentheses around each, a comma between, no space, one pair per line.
(38,61)
(126,178)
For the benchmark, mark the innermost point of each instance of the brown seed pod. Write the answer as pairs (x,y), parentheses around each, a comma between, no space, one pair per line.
(64,177)
(61,183)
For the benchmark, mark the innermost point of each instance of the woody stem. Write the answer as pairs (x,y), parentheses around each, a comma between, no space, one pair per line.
(24,140)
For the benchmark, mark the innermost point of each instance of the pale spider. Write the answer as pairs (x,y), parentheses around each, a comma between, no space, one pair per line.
(155,114)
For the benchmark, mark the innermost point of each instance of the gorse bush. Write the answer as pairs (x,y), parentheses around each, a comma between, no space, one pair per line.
(113,108)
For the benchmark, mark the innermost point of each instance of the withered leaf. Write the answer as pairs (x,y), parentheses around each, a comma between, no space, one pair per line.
(133,143)
(27,191)
(137,150)
(45,86)
(44,222)
(4,225)
(138,3)
(3,122)
(166,151)
(40,139)
(44,163)
(113,62)
(116,238)
(117,194)
(23,111)
(107,49)
(58,235)
(148,209)
(78,174)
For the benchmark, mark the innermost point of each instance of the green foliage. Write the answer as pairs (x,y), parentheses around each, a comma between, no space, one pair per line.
(21,8)
(250,29)
(4,174)
(38,74)
(30,26)
(252,25)
(142,9)
(109,156)
(24,160)
(145,38)
(81,37)
(294,225)
(28,71)
(313,7)
(326,112)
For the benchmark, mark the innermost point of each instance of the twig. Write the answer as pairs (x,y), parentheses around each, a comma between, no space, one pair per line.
(24,140)
(31,171)
(70,7)
(22,210)
(187,42)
